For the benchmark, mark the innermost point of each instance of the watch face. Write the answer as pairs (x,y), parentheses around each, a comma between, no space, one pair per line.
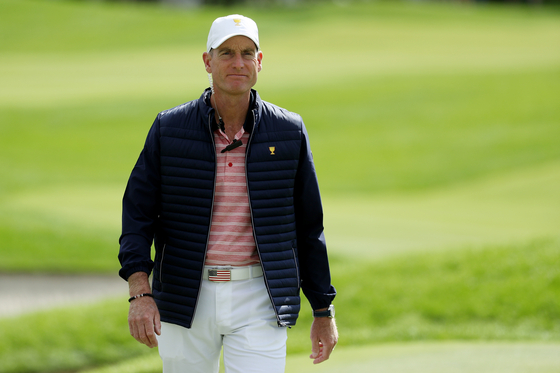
(331,310)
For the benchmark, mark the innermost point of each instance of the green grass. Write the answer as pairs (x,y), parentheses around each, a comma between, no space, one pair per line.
(505,293)
(423,132)
(66,339)
(435,133)
(494,293)
(504,208)
(471,294)
(454,357)
(439,97)
(446,357)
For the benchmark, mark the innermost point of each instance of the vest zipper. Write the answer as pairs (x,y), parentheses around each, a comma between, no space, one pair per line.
(280,322)
(297,267)
(161,265)
(211,213)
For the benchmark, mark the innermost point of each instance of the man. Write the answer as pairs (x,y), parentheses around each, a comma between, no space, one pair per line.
(226,189)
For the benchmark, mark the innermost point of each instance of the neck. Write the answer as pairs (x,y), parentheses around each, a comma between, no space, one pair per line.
(232,111)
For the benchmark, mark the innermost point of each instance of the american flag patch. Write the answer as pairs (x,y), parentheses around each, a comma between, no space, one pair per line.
(219,275)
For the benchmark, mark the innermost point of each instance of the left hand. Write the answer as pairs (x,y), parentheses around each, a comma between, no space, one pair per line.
(324,336)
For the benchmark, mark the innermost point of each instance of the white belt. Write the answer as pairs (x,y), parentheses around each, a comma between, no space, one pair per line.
(224,274)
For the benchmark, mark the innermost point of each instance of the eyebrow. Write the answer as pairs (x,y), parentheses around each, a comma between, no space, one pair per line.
(246,50)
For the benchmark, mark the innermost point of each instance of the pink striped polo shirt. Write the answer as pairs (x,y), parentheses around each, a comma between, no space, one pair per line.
(231,239)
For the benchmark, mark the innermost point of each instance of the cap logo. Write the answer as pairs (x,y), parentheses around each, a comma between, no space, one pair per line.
(272,150)
(237,21)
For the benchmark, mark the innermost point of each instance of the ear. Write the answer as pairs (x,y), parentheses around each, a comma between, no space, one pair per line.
(259,60)
(207,57)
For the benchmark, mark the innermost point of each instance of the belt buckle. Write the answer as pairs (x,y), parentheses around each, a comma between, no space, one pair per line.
(219,275)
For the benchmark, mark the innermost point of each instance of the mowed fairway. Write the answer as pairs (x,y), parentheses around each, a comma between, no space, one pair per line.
(508,208)
(450,357)
(435,130)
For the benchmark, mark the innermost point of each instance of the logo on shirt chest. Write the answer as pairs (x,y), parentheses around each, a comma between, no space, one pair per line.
(272,150)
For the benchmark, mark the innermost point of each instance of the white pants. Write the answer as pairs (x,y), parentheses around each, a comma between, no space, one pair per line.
(237,315)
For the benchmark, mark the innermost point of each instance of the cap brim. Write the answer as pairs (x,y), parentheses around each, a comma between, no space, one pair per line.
(219,42)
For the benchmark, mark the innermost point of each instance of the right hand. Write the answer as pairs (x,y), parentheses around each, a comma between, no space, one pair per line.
(144,321)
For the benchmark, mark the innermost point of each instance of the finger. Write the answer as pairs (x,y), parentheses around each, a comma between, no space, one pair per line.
(133,329)
(137,329)
(326,350)
(150,335)
(130,327)
(326,353)
(316,348)
(142,335)
(321,357)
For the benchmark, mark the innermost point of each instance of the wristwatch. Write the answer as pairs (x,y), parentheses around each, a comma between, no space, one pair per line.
(328,313)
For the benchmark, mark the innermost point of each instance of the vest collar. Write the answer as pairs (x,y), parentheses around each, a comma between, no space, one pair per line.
(255,108)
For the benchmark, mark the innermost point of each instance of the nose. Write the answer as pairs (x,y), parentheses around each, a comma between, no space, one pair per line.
(238,61)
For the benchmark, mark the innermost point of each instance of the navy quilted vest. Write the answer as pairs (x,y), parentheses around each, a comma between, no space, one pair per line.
(180,146)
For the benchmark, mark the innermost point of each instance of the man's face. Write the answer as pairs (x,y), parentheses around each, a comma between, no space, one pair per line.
(234,65)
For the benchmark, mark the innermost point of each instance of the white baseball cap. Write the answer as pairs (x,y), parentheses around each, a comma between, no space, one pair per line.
(224,28)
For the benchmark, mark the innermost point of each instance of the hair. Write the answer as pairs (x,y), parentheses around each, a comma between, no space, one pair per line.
(211,81)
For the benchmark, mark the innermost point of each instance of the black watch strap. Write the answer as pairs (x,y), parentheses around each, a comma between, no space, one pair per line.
(329,312)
